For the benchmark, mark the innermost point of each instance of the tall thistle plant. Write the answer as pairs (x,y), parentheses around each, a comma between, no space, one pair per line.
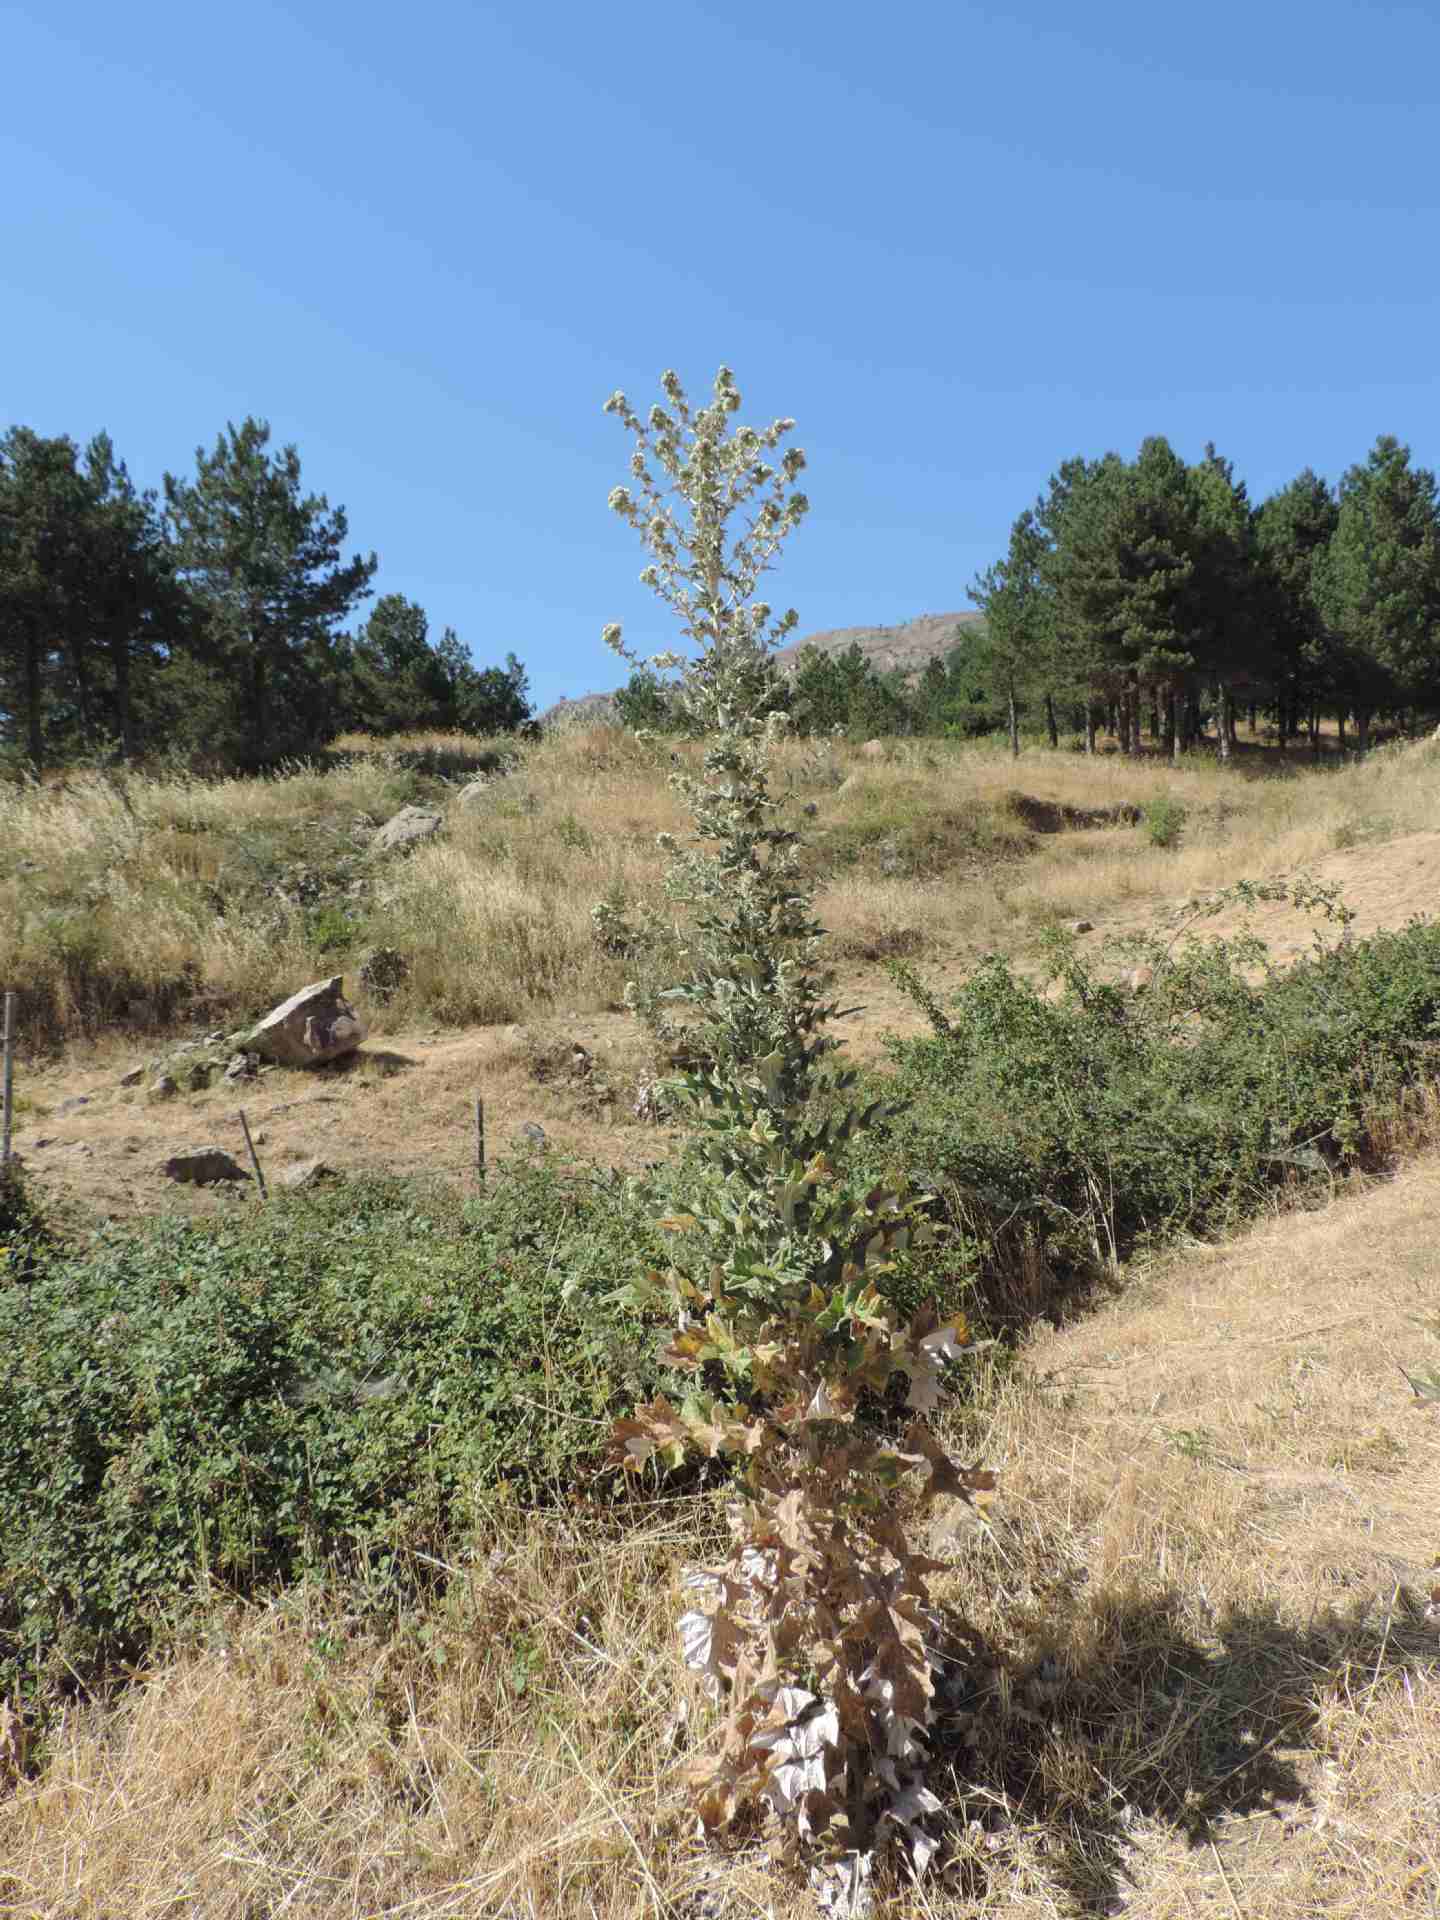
(815,1635)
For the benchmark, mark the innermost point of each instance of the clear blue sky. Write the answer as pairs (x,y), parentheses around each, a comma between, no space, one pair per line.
(958,243)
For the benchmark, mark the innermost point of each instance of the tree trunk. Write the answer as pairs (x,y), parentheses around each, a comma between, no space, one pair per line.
(1123,720)
(33,729)
(1154,718)
(1341,724)
(259,714)
(1172,730)
(120,665)
(1014,728)
(80,666)
(1252,716)
(1089,728)
(1226,725)
(1132,709)
(1314,730)
(1362,729)
(1050,726)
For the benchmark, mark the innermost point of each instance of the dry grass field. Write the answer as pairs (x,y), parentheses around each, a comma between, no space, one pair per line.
(1198,1675)
(128,900)
(924,853)
(1201,1683)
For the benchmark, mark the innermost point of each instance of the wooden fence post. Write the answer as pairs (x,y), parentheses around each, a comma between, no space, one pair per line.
(7,1094)
(479,1140)
(254,1157)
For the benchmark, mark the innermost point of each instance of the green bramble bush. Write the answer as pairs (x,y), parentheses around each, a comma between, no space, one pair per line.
(1125,1114)
(328,1383)
(815,1636)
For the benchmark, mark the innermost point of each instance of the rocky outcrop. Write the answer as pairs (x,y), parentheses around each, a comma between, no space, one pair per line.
(405,830)
(314,1025)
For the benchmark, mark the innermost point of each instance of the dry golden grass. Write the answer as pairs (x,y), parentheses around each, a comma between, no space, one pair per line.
(1201,1681)
(122,898)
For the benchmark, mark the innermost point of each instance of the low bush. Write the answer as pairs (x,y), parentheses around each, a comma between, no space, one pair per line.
(1065,1132)
(331,1380)
(1164,818)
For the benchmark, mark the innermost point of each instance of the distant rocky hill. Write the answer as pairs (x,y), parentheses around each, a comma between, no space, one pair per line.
(908,647)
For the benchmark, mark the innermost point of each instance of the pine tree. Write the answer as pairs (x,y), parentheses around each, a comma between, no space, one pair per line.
(1378,580)
(1309,665)
(264,563)
(42,512)
(1018,648)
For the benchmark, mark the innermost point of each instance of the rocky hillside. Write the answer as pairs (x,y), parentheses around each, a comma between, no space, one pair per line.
(907,646)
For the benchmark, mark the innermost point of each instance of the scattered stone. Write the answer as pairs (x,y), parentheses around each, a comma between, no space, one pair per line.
(241,1066)
(407,829)
(74,1103)
(163,1087)
(811,809)
(203,1167)
(1082,926)
(314,1025)
(133,1077)
(874,750)
(473,793)
(214,1040)
(534,1133)
(306,1173)
(383,971)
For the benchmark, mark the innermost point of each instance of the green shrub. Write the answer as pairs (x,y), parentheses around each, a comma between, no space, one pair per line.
(1164,818)
(24,1236)
(1084,1127)
(335,1378)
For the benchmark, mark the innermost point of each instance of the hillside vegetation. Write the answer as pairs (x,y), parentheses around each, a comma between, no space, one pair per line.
(131,901)
(363,1621)
(920,1471)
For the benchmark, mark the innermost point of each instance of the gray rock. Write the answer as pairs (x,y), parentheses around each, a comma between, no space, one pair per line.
(241,1066)
(163,1088)
(133,1077)
(1082,926)
(203,1167)
(534,1133)
(874,750)
(306,1173)
(406,830)
(74,1103)
(314,1025)
(474,793)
